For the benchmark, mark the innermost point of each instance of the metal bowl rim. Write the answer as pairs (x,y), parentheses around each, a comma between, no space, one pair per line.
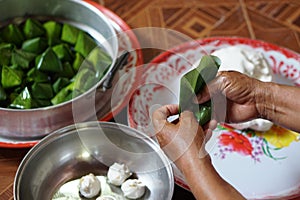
(99,13)
(68,130)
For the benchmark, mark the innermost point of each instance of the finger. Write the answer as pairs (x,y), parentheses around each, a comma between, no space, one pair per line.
(203,96)
(164,112)
(212,124)
(212,88)
(202,150)
(159,116)
(208,134)
(187,116)
(189,123)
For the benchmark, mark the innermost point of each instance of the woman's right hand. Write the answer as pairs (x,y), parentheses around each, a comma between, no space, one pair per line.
(234,96)
(184,143)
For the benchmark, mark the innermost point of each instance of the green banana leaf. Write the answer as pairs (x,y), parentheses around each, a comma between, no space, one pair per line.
(193,82)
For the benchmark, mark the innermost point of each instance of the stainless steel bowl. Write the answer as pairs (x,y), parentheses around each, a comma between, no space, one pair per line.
(91,147)
(36,123)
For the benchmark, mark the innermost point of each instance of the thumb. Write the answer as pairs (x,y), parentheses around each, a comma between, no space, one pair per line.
(203,96)
(212,88)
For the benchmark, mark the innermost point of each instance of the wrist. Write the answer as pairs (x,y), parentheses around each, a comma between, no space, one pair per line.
(264,98)
(187,162)
(204,181)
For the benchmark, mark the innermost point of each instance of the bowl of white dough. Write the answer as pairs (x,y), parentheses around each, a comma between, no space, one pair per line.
(95,160)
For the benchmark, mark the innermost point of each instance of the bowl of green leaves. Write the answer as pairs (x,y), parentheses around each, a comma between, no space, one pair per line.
(54,56)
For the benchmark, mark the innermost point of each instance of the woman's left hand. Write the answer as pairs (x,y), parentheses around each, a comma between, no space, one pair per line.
(181,139)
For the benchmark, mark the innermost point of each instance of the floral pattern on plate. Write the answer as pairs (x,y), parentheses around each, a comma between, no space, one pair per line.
(253,143)
(248,160)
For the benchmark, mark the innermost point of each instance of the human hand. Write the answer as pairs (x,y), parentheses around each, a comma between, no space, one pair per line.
(183,139)
(234,96)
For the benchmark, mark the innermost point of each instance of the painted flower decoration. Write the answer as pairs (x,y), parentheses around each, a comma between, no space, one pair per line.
(237,142)
(291,72)
(252,143)
(280,137)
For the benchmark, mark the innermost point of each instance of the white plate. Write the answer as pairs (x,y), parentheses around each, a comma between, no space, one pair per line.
(110,106)
(260,166)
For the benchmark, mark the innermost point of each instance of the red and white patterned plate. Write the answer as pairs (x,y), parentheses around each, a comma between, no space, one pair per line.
(128,42)
(259,165)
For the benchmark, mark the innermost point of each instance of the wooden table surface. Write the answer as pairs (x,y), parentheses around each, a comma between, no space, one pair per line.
(274,21)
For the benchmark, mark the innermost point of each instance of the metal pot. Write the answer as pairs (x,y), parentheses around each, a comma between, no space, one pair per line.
(36,123)
(91,147)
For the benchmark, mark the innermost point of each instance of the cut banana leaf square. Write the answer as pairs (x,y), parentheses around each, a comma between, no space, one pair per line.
(12,34)
(53,32)
(77,61)
(22,58)
(11,77)
(35,75)
(33,28)
(64,94)
(100,61)
(84,44)
(63,52)
(49,62)
(23,100)
(68,71)
(35,45)
(84,80)
(69,33)
(42,91)
(60,83)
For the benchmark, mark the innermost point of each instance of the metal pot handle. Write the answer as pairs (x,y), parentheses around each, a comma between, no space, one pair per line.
(120,63)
